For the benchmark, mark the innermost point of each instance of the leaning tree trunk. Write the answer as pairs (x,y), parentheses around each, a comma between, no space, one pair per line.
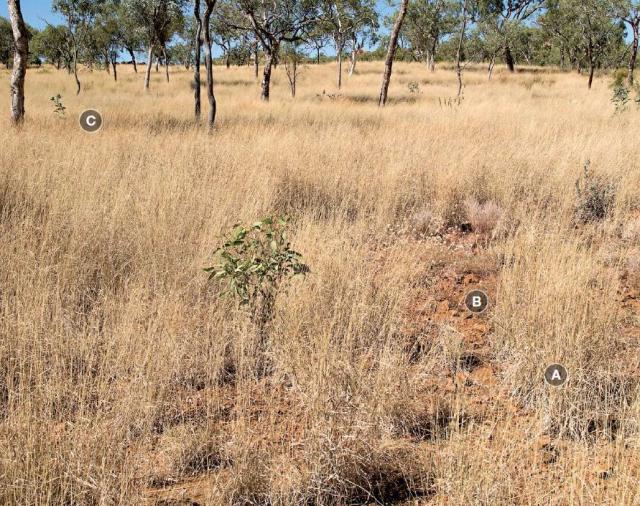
(196,60)
(492,63)
(592,64)
(508,59)
(634,54)
(266,74)
(75,69)
(21,42)
(133,60)
(147,74)
(208,62)
(391,52)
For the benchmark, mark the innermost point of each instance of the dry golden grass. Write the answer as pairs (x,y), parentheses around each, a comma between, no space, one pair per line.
(125,380)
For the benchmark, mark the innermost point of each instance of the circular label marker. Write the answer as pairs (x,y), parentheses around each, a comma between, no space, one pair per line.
(476,301)
(91,121)
(556,375)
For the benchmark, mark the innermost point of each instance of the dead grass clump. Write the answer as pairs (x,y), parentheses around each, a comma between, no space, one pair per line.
(483,217)
(356,472)
(453,211)
(425,222)
(183,451)
(163,124)
(296,196)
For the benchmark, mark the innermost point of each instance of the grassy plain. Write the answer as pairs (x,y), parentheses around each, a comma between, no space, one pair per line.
(125,380)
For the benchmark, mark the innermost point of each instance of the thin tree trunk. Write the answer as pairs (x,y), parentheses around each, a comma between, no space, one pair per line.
(147,75)
(634,54)
(266,74)
(21,41)
(318,56)
(196,61)
(592,66)
(208,62)
(459,51)
(339,57)
(354,56)
(508,58)
(492,63)
(107,61)
(256,60)
(115,70)
(157,63)
(166,61)
(432,55)
(391,52)
(133,60)
(75,69)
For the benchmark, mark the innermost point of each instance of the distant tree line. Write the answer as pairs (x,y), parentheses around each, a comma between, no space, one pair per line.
(583,35)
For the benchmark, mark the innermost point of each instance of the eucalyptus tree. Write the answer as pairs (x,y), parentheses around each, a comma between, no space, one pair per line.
(427,22)
(208,60)
(159,21)
(132,34)
(629,12)
(223,34)
(79,16)
(273,23)
(344,20)
(21,54)
(391,51)
(317,40)
(591,26)
(52,44)
(507,16)
(106,34)
(364,30)
(466,17)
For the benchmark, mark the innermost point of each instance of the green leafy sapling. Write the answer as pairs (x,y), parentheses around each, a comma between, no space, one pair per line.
(254,264)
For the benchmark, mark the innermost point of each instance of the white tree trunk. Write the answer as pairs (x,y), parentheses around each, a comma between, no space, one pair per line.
(18,75)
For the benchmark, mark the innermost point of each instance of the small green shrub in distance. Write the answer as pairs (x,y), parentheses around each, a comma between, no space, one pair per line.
(622,93)
(595,196)
(254,263)
(58,107)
